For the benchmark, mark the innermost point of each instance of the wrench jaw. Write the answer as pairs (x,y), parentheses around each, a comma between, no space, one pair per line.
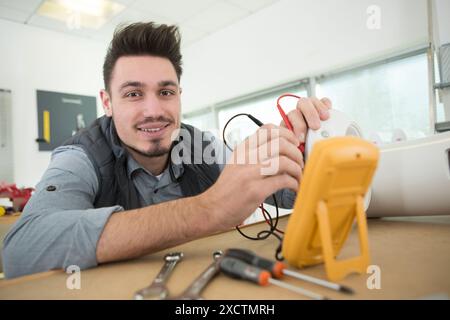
(158,290)
(217,254)
(173,256)
(155,292)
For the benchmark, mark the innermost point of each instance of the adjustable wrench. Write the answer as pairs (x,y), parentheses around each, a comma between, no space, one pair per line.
(158,290)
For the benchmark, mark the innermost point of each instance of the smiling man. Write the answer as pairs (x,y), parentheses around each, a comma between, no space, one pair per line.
(117,190)
(146,107)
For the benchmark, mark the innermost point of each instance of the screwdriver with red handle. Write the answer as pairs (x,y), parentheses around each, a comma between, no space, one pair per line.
(236,268)
(278,269)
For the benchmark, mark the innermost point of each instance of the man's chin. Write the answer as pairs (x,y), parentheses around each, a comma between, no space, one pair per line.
(154,152)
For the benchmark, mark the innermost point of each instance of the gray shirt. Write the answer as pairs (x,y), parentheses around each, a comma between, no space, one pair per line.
(60,227)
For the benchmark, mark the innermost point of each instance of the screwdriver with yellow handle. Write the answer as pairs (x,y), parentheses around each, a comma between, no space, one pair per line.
(279,269)
(236,268)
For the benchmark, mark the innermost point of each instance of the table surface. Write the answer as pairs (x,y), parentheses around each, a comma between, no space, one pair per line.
(9,219)
(413,255)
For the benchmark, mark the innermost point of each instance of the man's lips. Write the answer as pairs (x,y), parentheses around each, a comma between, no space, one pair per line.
(153,127)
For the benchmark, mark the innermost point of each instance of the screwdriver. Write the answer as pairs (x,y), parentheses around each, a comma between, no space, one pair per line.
(236,268)
(278,269)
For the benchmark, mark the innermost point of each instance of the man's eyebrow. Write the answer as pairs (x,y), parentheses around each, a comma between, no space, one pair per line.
(166,83)
(138,84)
(132,84)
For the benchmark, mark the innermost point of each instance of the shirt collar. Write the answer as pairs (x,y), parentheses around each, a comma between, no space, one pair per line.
(134,166)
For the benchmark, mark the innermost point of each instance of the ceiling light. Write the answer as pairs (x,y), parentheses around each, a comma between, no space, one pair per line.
(77,14)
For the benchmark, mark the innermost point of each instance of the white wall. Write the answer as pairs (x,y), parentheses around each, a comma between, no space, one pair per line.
(289,40)
(33,58)
(293,39)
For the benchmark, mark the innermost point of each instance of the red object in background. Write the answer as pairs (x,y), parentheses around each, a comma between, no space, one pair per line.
(19,197)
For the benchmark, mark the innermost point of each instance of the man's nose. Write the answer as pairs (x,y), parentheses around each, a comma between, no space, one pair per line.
(152,107)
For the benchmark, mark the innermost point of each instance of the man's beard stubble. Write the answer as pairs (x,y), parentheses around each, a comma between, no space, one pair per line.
(156,151)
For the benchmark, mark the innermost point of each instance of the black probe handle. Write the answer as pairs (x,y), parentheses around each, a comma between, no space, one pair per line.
(238,269)
(256,121)
(251,258)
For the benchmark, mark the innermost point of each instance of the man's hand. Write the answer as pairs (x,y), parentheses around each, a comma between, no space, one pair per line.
(264,163)
(307,114)
(247,180)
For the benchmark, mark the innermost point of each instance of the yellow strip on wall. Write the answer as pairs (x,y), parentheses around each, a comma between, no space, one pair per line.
(47,126)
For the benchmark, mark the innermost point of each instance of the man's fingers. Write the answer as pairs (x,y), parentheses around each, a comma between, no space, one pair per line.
(272,184)
(327,102)
(321,108)
(276,148)
(270,132)
(269,142)
(267,154)
(298,124)
(310,113)
(284,165)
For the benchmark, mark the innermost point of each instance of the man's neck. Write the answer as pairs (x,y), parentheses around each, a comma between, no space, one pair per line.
(154,165)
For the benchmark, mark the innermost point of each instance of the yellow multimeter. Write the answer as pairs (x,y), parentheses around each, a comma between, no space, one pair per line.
(337,175)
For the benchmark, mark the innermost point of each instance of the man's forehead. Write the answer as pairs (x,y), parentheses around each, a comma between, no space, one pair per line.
(148,70)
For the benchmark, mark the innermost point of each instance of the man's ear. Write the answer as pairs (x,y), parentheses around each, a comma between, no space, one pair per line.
(106,102)
(181,90)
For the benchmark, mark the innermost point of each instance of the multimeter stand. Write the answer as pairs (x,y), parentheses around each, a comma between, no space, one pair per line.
(339,269)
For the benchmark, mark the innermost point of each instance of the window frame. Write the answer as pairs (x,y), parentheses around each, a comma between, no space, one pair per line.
(308,83)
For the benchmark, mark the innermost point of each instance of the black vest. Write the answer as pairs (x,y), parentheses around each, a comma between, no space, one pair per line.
(102,145)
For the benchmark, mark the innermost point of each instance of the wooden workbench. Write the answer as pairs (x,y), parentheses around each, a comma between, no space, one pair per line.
(9,219)
(413,254)
(6,222)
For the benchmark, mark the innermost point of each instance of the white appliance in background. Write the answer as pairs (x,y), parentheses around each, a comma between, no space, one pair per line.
(375,138)
(399,135)
(412,178)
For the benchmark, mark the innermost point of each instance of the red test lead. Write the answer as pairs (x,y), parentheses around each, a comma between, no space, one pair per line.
(286,119)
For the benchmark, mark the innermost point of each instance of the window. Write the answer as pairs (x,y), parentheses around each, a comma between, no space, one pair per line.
(440,113)
(204,120)
(263,108)
(384,98)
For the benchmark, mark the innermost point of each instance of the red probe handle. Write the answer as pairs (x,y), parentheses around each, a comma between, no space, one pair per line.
(285,118)
(288,124)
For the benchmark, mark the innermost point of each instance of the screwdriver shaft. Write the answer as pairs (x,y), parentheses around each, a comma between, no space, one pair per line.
(307,278)
(317,281)
(299,290)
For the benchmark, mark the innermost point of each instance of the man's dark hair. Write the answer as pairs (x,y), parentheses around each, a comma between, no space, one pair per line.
(143,38)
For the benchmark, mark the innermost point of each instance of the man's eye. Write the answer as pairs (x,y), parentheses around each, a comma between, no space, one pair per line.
(133,94)
(167,93)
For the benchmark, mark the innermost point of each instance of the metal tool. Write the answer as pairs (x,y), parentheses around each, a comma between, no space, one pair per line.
(238,269)
(278,269)
(158,290)
(194,290)
(319,282)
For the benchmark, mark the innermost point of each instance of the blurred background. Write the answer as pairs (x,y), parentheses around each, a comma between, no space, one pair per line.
(383,62)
